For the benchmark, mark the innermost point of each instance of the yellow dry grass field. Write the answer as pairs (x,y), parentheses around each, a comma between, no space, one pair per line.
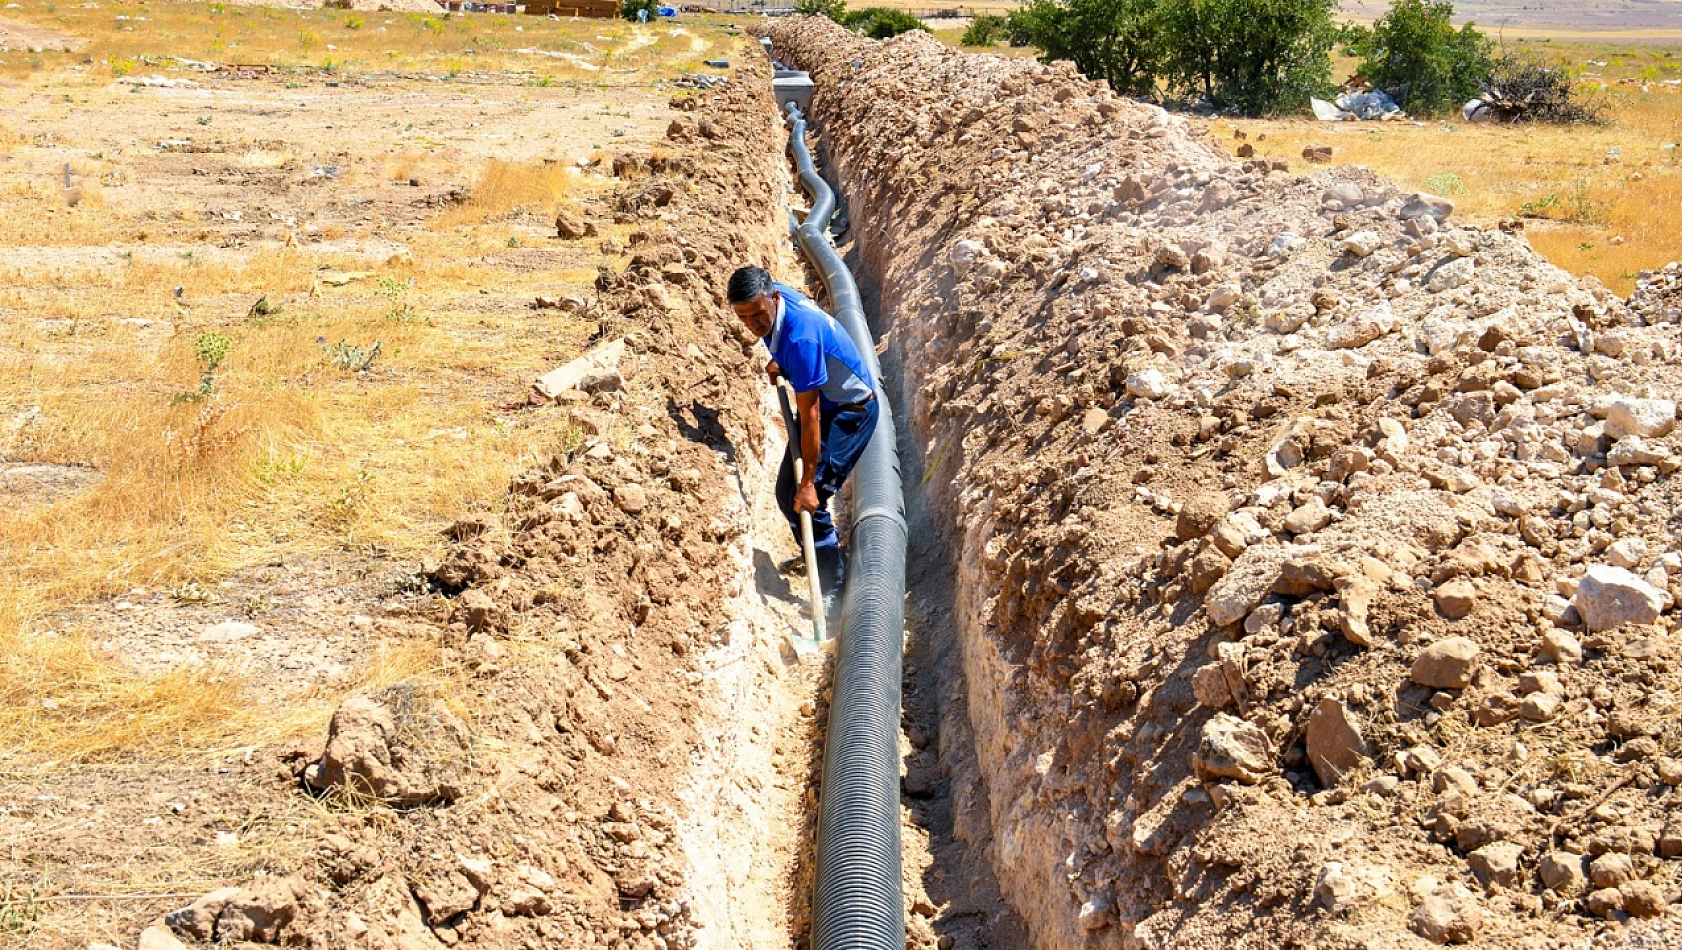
(264,332)
(1602,200)
(271,320)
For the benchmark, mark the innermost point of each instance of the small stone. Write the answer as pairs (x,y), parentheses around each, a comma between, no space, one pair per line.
(1455,598)
(1446,664)
(1361,243)
(1496,865)
(158,938)
(1451,915)
(1335,887)
(630,497)
(1232,748)
(1147,384)
(1355,594)
(1562,648)
(1609,597)
(1540,707)
(1336,746)
(1642,898)
(1095,914)
(1310,517)
(1564,873)
(1605,902)
(1317,153)
(1093,421)
(1611,869)
(571,227)
(1197,517)
(198,919)
(260,912)
(1451,275)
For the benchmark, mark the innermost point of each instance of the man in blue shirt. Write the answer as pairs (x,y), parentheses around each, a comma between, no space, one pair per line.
(835,396)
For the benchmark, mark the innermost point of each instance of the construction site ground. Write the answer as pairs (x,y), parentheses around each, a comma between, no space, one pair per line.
(1293,563)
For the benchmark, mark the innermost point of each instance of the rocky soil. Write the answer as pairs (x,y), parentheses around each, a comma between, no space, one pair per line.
(1315,559)
(566,799)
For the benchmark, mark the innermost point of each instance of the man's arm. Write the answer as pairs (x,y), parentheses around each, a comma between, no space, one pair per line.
(811,443)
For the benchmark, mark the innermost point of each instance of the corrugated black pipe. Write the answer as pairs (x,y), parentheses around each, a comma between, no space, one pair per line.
(857,899)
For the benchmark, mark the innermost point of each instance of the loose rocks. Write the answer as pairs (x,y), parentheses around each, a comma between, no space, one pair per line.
(1446,664)
(400,748)
(1232,748)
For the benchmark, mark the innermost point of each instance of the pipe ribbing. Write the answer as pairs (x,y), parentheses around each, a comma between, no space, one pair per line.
(857,900)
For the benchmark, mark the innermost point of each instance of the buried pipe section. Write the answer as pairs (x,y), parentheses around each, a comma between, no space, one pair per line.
(857,900)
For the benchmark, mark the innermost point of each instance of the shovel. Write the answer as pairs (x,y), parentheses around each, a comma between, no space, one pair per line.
(814,592)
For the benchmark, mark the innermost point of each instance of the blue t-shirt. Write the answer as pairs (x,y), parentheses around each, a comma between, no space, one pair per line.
(815,352)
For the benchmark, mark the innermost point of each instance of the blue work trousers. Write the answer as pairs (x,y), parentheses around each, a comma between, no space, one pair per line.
(846,431)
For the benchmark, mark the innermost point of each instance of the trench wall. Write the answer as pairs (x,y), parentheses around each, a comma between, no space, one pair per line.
(1275,502)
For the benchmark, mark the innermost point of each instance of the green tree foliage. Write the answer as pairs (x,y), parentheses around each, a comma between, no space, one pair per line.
(628,9)
(1117,41)
(985,30)
(834,9)
(1255,56)
(1417,55)
(879,23)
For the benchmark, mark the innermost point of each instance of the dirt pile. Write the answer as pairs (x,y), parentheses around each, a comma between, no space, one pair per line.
(1315,553)
(542,807)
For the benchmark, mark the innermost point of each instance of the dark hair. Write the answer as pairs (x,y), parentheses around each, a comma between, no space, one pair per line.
(747,283)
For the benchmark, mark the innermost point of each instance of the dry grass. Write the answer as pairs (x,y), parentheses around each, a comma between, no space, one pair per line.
(287,455)
(1603,201)
(142,39)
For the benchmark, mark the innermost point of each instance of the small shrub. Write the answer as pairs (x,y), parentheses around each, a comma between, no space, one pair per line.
(353,22)
(1444,183)
(307,39)
(210,349)
(350,357)
(834,9)
(880,23)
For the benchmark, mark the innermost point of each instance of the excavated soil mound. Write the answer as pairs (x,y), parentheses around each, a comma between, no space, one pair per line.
(545,806)
(1316,553)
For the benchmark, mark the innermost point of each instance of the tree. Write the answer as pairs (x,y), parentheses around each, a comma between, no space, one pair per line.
(984,30)
(1417,55)
(879,23)
(628,9)
(1255,56)
(1117,41)
(834,9)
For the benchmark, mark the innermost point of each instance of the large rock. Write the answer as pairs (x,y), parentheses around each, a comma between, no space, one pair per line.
(400,749)
(1648,418)
(1609,597)
(260,912)
(1232,748)
(1446,664)
(1424,205)
(1336,746)
(1250,579)
(1355,594)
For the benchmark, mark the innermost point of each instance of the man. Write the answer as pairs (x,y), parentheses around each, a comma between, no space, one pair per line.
(835,397)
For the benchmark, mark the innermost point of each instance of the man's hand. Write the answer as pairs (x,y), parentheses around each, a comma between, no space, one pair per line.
(773,370)
(806,497)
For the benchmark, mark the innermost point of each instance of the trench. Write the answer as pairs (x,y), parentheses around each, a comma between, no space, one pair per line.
(948,894)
